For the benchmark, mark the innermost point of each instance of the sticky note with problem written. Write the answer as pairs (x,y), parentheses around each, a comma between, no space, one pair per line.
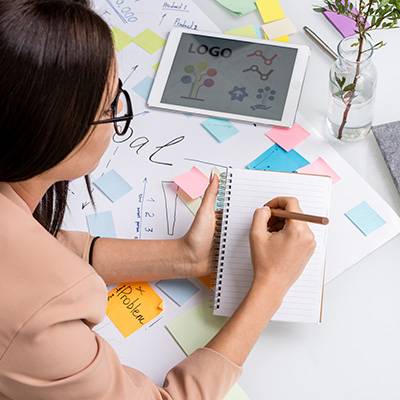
(365,218)
(194,182)
(132,305)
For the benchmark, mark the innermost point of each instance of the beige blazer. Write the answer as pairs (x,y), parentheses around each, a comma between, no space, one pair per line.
(51,298)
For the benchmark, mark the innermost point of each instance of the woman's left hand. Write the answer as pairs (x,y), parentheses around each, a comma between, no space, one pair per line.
(197,244)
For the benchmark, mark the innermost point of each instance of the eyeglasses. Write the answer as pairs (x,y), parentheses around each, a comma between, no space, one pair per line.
(122,112)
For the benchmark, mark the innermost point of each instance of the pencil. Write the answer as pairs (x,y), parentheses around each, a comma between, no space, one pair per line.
(299,216)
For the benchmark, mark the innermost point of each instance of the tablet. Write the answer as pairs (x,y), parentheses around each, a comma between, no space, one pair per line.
(230,77)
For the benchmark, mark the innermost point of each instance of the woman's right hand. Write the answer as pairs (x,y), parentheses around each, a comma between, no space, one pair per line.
(280,249)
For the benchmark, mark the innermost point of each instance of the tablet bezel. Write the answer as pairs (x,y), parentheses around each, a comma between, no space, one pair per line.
(294,90)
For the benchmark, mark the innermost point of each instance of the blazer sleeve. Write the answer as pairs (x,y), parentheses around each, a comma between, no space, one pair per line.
(77,242)
(56,355)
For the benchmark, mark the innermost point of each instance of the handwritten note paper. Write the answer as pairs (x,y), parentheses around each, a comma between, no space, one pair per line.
(279,28)
(320,167)
(149,41)
(239,7)
(221,129)
(113,185)
(132,305)
(178,290)
(143,87)
(101,224)
(270,10)
(194,182)
(288,138)
(365,218)
(278,159)
(120,38)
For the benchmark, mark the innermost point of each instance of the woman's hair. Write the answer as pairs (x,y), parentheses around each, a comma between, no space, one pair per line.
(56,59)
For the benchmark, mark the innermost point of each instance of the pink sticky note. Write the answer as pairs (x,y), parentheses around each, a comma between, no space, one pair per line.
(194,182)
(320,167)
(344,25)
(288,138)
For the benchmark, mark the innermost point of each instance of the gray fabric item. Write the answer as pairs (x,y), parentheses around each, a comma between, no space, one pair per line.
(388,138)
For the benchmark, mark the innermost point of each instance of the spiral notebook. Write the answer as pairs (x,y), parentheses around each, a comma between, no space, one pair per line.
(241,192)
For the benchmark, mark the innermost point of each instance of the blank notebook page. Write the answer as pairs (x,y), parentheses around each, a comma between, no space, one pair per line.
(247,190)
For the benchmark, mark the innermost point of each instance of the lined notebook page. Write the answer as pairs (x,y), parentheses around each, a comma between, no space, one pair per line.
(247,190)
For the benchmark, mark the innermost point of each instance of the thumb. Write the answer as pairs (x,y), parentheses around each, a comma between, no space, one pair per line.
(210,194)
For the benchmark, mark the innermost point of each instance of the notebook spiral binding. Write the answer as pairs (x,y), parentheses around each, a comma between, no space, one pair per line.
(222,209)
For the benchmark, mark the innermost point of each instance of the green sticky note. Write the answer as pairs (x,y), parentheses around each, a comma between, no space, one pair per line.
(194,329)
(239,7)
(120,38)
(149,41)
(246,31)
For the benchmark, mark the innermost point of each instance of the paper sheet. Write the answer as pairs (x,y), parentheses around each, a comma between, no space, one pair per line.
(270,10)
(239,7)
(277,159)
(288,138)
(320,167)
(101,224)
(221,129)
(365,218)
(149,41)
(113,185)
(194,329)
(193,183)
(178,290)
(279,28)
(130,306)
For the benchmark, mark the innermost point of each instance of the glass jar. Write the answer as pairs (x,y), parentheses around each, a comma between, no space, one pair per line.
(352,86)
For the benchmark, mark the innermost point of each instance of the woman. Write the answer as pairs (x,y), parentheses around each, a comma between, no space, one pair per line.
(59,104)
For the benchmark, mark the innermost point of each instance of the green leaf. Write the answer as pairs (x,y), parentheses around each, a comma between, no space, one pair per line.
(319,9)
(350,88)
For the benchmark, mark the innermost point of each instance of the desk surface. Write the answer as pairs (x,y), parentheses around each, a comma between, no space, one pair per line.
(355,353)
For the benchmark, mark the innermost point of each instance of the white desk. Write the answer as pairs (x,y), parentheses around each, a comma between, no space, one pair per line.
(355,353)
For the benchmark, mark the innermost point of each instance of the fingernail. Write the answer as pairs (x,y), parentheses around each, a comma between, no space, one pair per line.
(266,207)
(211,176)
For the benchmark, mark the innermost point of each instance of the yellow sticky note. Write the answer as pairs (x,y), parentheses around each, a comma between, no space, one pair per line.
(270,10)
(279,39)
(132,305)
(149,41)
(155,66)
(246,31)
(120,38)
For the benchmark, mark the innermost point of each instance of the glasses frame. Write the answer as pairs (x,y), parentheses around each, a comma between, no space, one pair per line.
(114,105)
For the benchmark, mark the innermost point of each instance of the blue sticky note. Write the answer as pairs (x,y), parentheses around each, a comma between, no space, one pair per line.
(178,290)
(278,159)
(143,87)
(101,224)
(365,218)
(113,185)
(221,129)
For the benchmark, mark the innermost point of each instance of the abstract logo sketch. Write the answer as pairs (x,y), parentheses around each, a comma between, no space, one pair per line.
(198,78)
(266,95)
(259,53)
(238,93)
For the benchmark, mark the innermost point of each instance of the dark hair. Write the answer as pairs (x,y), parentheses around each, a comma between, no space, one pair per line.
(56,58)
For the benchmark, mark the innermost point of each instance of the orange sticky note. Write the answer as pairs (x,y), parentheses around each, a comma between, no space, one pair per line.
(270,10)
(320,167)
(132,305)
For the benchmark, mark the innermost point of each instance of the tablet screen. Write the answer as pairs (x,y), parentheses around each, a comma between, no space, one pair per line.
(231,76)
